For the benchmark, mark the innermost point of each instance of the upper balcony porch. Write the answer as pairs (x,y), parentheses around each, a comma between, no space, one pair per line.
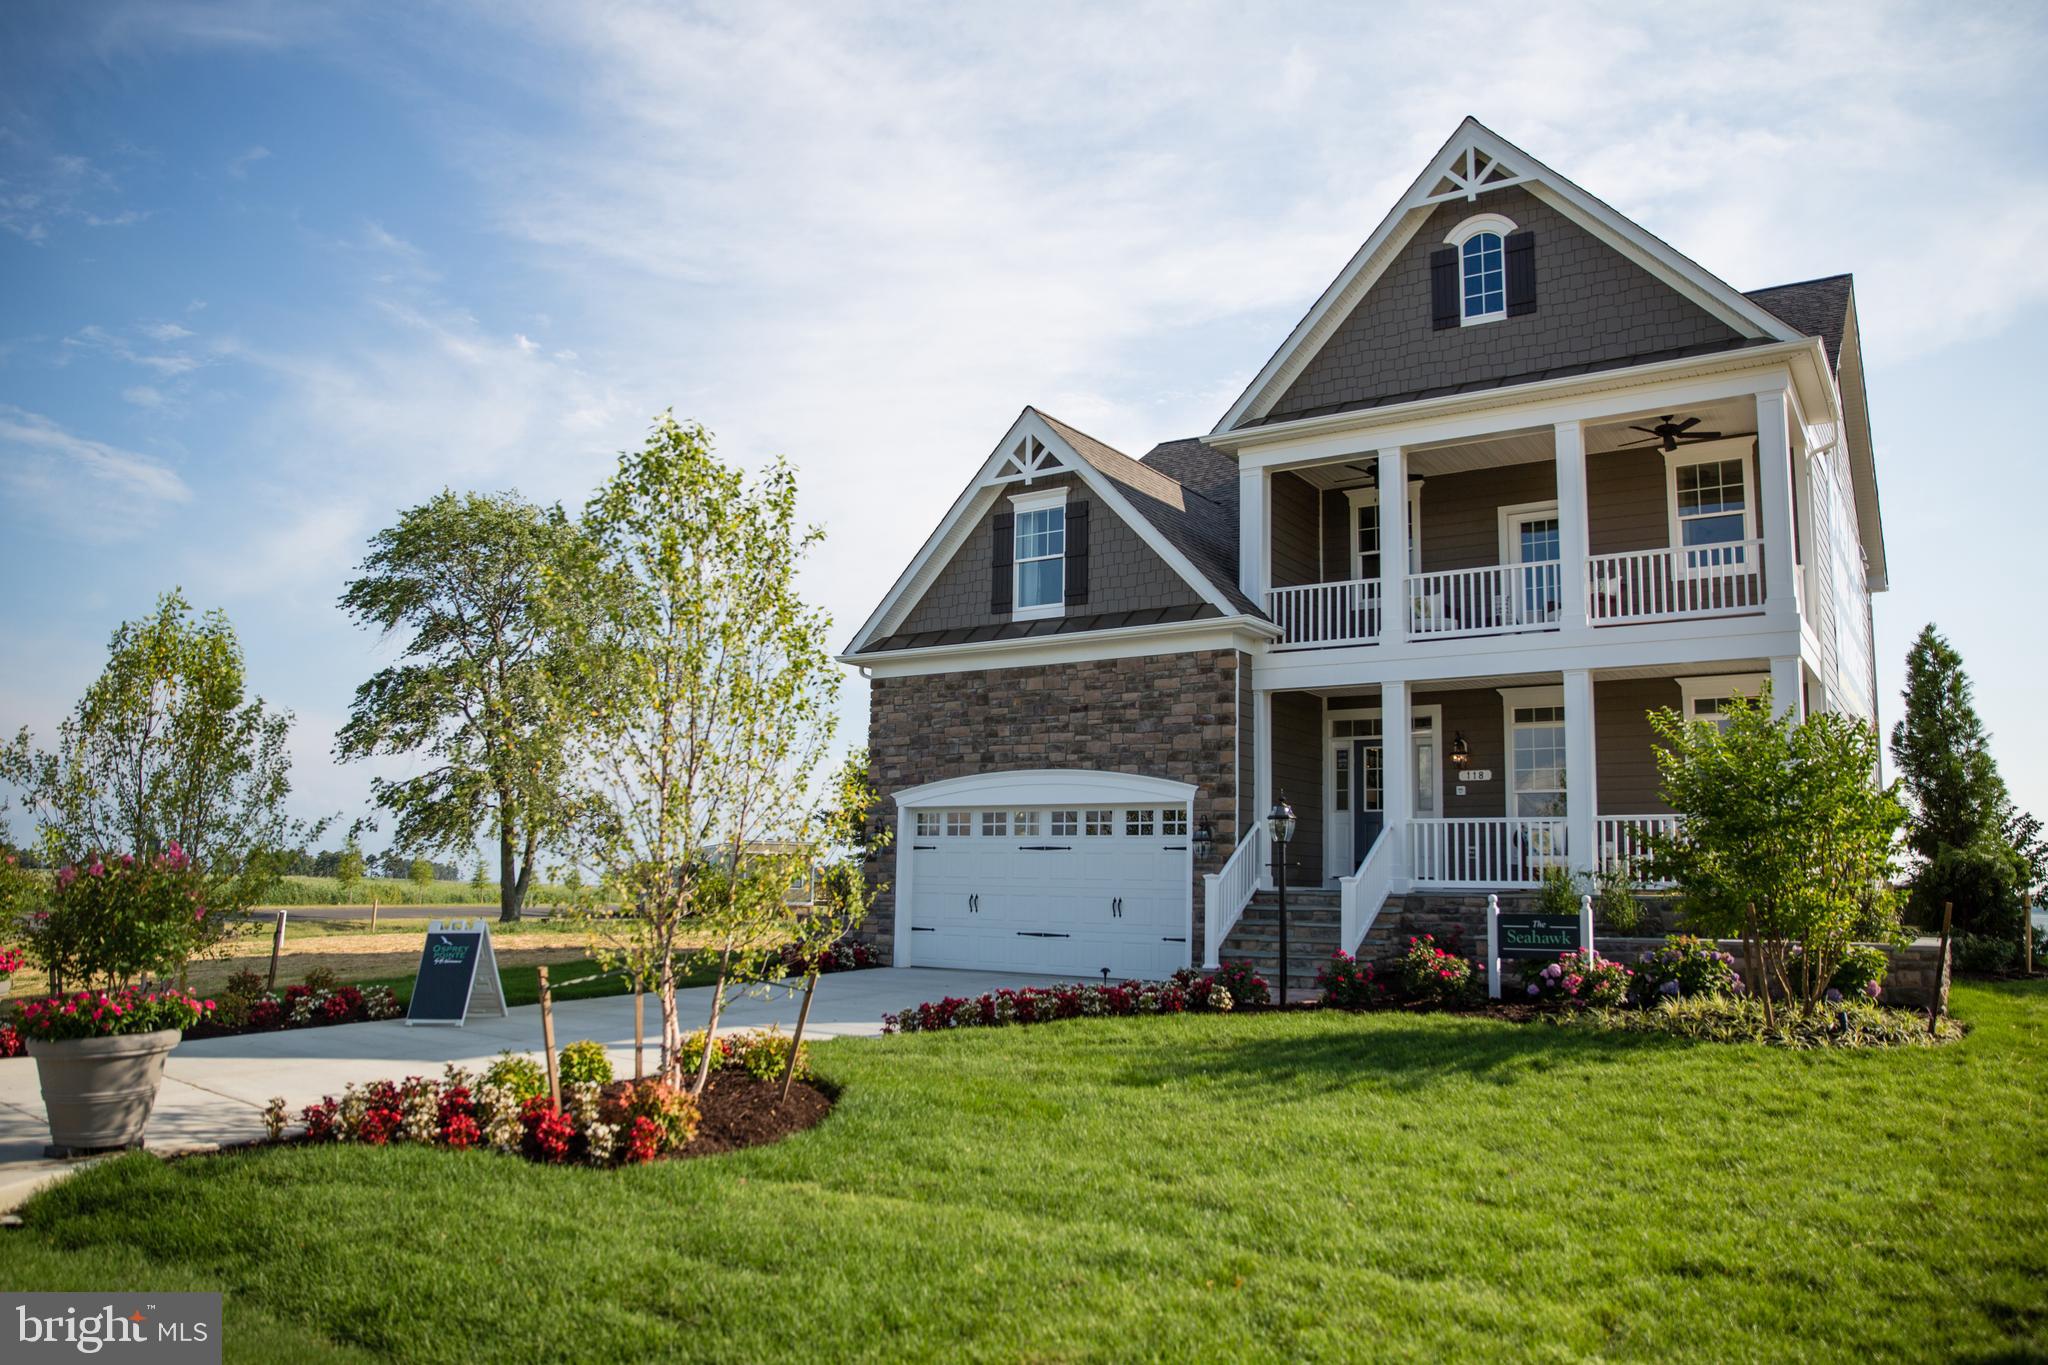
(1581,526)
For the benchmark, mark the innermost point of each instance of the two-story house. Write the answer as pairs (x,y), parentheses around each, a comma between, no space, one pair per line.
(1523,474)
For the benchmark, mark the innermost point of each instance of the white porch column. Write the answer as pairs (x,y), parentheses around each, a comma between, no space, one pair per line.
(1573,538)
(1252,534)
(1788,687)
(1392,469)
(1262,774)
(1581,776)
(1397,770)
(1774,503)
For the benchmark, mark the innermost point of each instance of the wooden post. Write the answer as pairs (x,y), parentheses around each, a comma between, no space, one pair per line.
(1939,1005)
(803,1012)
(276,947)
(547,1038)
(639,1032)
(2027,933)
(373,912)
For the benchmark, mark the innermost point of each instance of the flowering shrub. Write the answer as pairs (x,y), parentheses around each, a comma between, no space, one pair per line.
(518,1075)
(1076,1000)
(1579,977)
(1740,1019)
(1434,975)
(10,1041)
(110,920)
(1246,987)
(763,1055)
(656,1117)
(837,957)
(1685,966)
(303,1006)
(585,1062)
(724,1051)
(102,1014)
(10,962)
(1860,973)
(1350,984)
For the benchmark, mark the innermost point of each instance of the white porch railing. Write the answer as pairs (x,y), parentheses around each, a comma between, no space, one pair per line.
(1225,894)
(1625,843)
(1660,585)
(1361,896)
(1327,613)
(1485,851)
(1492,600)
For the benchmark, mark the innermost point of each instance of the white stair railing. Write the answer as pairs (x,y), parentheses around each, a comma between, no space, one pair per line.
(1485,851)
(1327,613)
(1225,894)
(1625,843)
(1361,896)
(1662,585)
(1492,600)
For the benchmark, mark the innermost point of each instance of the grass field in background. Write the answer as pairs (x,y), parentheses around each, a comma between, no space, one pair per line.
(1322,1186)
(293,891)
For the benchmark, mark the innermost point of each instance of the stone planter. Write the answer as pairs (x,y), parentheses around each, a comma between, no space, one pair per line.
(99,1091)
(6,986)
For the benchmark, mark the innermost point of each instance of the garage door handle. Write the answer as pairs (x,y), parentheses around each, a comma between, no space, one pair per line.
(1176,848)
(923,929)
(1034,933)
(1173,940)
(925,848)
(1046,848)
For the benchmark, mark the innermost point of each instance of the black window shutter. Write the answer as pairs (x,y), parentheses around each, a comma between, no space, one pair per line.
(1003,573)
(1077,553)
(1443,285)
(1521,254)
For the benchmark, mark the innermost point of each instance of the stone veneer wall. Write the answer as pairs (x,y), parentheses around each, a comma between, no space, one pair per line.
(1167,715)
(1916,972)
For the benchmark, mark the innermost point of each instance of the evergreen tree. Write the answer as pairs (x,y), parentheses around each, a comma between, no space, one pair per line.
(1965,831)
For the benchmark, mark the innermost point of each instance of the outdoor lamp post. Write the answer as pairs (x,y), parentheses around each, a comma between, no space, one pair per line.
(1205,841)
(1280,824)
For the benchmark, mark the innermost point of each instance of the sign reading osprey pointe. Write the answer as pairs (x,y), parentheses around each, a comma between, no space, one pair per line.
(1532,935)
(458,974)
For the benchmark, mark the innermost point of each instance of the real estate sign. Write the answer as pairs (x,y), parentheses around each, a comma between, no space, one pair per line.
(458,975)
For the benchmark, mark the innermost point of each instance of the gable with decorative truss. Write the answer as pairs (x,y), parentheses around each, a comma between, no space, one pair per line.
(1027,460)
(1587,289)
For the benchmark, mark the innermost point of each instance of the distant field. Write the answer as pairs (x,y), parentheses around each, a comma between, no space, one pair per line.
(328,891)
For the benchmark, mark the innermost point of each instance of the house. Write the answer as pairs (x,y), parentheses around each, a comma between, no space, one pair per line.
(1522,474)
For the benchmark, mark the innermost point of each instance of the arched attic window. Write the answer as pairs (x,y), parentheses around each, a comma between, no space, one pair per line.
(1485,271)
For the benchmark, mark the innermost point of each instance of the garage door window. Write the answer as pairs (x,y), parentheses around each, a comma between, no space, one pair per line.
(927,824)
(1101,822)
(995,823)
(1066,823)
(959,823)
(1173,823)
(1139,823)
(1024,824)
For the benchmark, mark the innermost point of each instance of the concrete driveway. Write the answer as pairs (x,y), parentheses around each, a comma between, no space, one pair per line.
(214,1091)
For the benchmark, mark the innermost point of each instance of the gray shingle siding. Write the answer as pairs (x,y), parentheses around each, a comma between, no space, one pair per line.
(1593,306)
(1123,572)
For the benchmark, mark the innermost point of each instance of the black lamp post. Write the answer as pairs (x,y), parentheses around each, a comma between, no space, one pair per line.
(1205,841)
(1461,753)
(1280,825)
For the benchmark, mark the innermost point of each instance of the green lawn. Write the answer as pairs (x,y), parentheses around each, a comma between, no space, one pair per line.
(579,980)
(1197,1187)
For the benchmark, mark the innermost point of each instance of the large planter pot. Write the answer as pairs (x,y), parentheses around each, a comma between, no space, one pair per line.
(6,986)
(99,1091)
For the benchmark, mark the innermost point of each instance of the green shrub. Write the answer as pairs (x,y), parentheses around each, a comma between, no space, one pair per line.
(585,1062)
(1740,1019)
(1860,973)
(1435,975)
(1984,953)
(321,979)
(1577,979)
(763,1055)
(1615,903)
(671,1110)
(1246,987)
(521,1075)
(1560,892)
(1685,966)
(692,1052)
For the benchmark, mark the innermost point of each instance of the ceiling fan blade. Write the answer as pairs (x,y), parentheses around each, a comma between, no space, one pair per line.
(1649,431)
(1648,441)
(1700,436)
(1688,423)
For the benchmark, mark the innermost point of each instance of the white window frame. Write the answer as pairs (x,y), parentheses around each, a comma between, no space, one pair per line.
(1512,513)
(1694,690)
(1021,503)
(1711,452)
(1357,498)
(1423,720)
(1464,232)
(1512,700)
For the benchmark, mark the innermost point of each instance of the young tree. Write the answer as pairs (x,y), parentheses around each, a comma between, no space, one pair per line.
(349,868)
(422,873)
(477,879)
(476,688)
(710,695)
(1786,840)
(1973,847)
(167,747)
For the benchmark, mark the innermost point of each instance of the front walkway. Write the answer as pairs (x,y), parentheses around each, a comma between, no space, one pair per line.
(214,1091)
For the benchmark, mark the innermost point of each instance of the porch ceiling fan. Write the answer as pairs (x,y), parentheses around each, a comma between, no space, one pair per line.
(1671,433)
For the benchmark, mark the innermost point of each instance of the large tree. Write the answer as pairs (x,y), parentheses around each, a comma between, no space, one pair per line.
(710,698)
(467,577)
(1973,848)
(167,747)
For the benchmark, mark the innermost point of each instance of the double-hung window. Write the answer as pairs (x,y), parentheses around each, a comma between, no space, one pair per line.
(1711,512)
(1537,754)
(1041,550)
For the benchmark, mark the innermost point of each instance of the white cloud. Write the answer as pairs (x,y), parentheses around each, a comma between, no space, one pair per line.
(82,487)
(164,331)
(238,166)
(143,396)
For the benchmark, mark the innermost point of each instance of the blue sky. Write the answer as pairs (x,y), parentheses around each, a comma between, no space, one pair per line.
(269,273)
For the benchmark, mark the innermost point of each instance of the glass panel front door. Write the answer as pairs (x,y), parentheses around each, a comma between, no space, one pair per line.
(1368,816)
(1537,542)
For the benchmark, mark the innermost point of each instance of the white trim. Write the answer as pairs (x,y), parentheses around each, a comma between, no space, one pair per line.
(1497,223)
(1471,141)
(1248,633)
(963,517)
(1037,502)
(1743,451)
(1360,497)
(1333,866)
(1692,690)
(1510,699)
(1046,787)
(1510,544)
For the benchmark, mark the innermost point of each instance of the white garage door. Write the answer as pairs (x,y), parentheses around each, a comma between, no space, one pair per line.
(1066,890)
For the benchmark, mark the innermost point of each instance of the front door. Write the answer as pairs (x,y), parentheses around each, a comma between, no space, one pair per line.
(1534,540)
(1368,817)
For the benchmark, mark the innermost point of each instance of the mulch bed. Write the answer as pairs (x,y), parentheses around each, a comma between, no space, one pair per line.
(738,1111)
